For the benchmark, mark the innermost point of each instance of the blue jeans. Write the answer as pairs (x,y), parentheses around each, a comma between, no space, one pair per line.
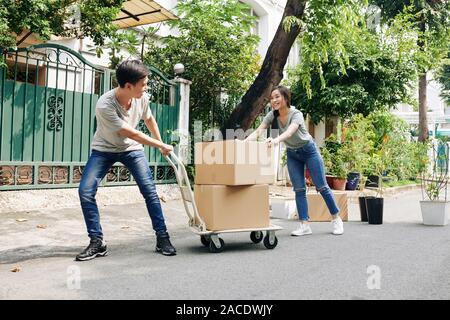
(97,167)
(296,160)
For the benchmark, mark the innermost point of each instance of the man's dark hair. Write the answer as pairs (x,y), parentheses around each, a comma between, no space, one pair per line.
(131,71)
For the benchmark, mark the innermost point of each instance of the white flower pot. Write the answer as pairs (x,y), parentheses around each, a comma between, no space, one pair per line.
(435,213)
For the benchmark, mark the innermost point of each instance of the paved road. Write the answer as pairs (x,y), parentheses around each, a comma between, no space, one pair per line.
(401,259)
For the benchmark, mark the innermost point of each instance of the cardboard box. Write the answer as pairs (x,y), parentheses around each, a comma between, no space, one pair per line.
(318,210)
(283,208)
(238,207)
(233,163)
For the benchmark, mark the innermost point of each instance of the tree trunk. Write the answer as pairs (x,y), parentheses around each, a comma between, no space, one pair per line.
(423,108)
(257,96)
(423,121)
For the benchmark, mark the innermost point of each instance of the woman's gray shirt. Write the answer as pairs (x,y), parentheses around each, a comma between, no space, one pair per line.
(299,138)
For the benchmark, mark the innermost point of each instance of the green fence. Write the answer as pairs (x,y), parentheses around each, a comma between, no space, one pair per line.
(47,119)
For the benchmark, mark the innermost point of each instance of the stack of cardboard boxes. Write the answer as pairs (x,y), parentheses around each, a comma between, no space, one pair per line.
(231,184)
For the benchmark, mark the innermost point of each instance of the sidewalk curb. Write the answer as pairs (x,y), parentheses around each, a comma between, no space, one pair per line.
(50,199)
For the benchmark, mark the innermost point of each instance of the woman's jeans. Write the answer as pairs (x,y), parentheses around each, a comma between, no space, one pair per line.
(97,167)
(296,160)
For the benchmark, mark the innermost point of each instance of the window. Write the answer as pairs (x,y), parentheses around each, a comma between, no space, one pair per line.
(255,28)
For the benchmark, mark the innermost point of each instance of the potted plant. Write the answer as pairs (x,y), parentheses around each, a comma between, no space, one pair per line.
(363,192)
(340,171)
(374,205)
(357,147)
(362,198)
(335,162)
(435,207)
(357,136)
(328,164)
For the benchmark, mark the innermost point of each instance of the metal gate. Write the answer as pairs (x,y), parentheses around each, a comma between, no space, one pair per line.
(47,118)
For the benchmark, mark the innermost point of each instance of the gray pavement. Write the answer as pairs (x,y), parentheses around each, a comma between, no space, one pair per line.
(401,259)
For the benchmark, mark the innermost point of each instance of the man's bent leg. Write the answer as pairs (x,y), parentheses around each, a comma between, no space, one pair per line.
(96,168)
(137,163)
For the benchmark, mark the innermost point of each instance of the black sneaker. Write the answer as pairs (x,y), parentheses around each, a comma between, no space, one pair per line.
(164,246)
(96,248)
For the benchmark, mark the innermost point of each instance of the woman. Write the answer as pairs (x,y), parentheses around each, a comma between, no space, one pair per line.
(301,151)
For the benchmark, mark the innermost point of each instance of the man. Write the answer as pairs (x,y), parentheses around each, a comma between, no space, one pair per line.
(118,112)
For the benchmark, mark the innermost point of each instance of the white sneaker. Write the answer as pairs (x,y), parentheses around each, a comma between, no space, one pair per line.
(338,226)
(303,230)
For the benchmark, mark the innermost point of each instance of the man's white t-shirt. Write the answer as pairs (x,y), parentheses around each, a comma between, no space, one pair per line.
(111,117)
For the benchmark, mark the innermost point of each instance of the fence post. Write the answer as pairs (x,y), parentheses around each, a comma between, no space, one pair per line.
(107,81)
(184,151)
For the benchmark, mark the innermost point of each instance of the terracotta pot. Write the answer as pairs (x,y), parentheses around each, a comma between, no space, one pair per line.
(339,184)
(330,180)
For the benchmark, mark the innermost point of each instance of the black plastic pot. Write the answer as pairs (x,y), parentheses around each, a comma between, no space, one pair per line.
(374,210)
(363,208)
(352,181)
(372,181)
